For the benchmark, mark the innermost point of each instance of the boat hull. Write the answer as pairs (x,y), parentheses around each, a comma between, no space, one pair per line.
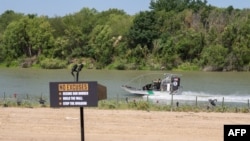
(136,91)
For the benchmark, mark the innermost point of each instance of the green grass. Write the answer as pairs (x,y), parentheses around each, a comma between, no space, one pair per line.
(149,106)
(25,103)
(187,67)
(137,105)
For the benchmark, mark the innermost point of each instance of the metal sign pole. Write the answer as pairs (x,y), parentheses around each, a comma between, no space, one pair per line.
(77,70)
(82,123)
(81,114)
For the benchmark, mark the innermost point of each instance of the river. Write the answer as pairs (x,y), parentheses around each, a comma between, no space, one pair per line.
(35,82)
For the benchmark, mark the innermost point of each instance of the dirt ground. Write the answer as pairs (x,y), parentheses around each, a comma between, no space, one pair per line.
(63,124)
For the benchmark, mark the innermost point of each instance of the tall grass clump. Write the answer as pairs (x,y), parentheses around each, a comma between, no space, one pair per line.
(50,63)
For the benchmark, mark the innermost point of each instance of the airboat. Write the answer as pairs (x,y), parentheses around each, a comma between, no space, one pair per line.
(154,84)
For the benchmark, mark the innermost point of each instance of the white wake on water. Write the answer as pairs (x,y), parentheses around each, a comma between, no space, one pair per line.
(203,96)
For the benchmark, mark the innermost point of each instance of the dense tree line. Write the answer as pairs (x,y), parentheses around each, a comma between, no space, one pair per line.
(179,34)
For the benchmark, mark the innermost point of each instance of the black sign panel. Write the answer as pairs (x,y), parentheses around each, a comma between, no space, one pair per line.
(73,94)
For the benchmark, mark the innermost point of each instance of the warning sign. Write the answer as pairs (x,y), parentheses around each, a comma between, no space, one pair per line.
(73,94)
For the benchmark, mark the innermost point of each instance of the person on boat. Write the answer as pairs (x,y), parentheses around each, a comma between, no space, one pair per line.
(147,87)
(158,85)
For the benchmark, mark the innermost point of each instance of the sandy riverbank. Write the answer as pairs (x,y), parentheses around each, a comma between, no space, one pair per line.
(40,124)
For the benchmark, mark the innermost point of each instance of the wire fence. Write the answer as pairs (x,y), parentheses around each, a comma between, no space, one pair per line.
(222,104)
(196,101)
(24,100)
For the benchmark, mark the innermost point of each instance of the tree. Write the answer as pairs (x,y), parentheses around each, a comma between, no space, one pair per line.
(143,30)
(168,5)
(58,25)
(214,56)
(40,36)
(7,17)
(60,49)
(27,37)
(168,52)
(119,23)
(101,45)
(78,28)
(190,44)
(177,5)
(228,36)
(241,46)
(235,38)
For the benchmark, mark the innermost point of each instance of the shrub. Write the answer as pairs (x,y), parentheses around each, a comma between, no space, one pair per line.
(188,67)
(50,63)
(142,105)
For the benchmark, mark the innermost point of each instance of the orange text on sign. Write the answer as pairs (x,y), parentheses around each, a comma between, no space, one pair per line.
(73,87)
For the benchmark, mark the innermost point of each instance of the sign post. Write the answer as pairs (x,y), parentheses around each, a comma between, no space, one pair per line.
(77,94)
(77,70)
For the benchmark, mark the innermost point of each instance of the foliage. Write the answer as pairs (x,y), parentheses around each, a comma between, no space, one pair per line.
(188,67)
(27,37)
(143,31)
(180,34)
(176,5)
(7,17)
(218,52)
(53,64)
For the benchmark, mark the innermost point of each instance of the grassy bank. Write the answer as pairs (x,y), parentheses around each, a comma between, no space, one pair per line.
(134,105)
(149,106)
